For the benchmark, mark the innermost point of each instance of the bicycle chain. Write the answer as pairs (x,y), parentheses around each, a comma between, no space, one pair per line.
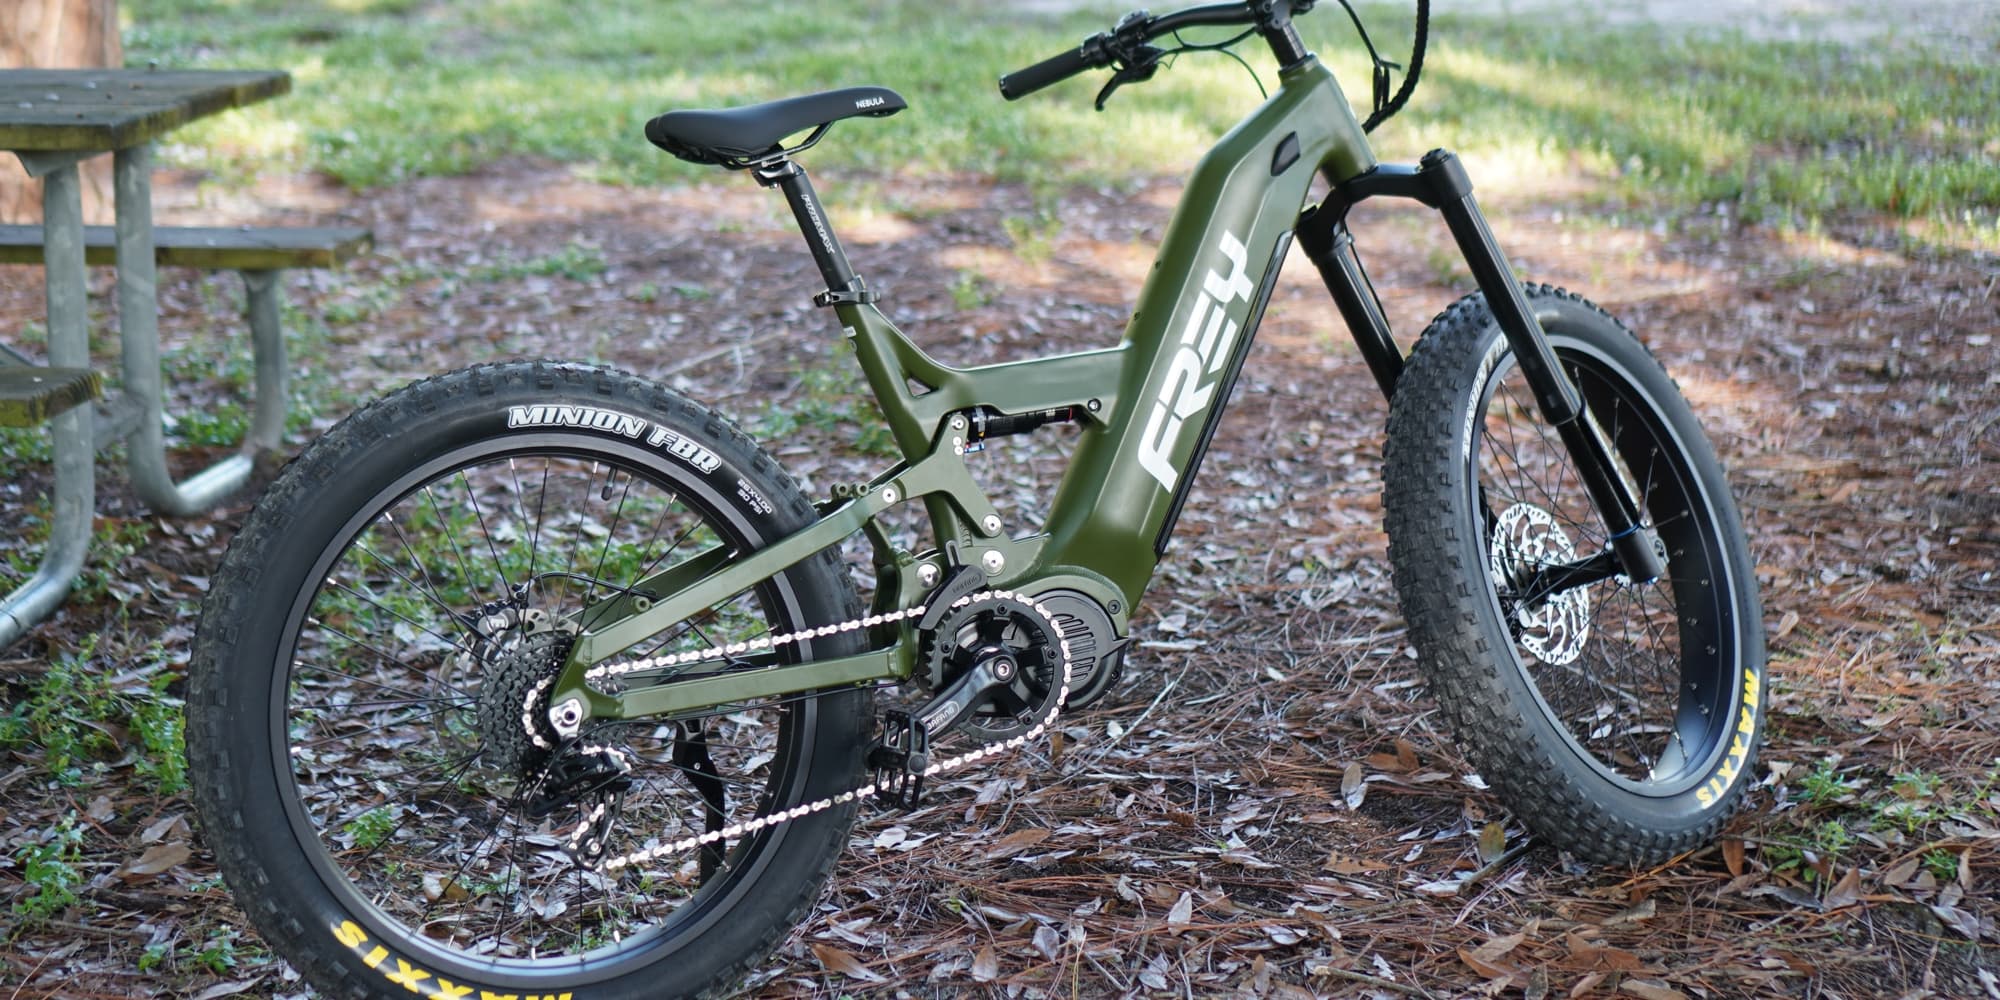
(859,794)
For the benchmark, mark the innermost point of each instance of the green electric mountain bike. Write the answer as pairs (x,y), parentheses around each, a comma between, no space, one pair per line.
(541,680)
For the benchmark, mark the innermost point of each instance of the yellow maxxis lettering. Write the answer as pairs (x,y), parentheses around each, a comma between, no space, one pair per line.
(1739,747)
(410,977)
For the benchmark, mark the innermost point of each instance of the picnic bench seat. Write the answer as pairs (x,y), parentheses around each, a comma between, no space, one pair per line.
(31,394)
(236,249)
(259,254)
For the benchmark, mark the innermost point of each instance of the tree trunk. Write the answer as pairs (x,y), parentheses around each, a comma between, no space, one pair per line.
(49,34)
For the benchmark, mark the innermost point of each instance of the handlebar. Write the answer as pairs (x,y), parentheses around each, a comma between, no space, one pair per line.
(1125,44)
(1054,69)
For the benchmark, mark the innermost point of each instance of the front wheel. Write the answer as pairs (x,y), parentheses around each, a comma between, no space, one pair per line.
(372,764)
(1619,719)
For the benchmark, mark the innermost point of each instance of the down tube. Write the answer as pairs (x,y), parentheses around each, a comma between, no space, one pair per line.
(1198,307)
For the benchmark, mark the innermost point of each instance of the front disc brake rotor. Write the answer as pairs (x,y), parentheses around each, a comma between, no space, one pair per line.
(1526,539)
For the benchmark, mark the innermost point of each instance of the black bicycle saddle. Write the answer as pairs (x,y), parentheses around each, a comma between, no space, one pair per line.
(737,137)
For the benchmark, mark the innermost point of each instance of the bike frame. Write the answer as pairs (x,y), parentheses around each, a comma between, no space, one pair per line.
(1148,408)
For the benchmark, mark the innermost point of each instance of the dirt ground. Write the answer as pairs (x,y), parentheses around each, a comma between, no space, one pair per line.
(1190,837)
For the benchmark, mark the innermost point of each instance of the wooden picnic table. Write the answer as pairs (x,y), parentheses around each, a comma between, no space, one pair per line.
(54,119)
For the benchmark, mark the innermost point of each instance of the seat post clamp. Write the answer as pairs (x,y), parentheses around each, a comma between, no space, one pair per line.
(854,294)
(773,170)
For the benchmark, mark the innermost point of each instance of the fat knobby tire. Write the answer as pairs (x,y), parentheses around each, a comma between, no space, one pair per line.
(1439,550)
(240,791)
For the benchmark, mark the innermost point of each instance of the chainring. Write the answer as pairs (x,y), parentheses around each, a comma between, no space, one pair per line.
(989,627)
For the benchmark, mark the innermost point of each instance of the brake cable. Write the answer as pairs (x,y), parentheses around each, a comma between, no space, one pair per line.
(1137,63)
(1386,106)
(1225,47)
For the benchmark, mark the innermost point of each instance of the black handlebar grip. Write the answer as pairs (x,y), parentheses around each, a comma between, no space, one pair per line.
(1054,69)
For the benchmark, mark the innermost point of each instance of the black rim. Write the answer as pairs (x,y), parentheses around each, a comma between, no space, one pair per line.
(399,792)
(1644,692)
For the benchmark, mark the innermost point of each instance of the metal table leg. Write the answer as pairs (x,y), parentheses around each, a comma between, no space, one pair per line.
(69,347)
(267,339)
(139,334)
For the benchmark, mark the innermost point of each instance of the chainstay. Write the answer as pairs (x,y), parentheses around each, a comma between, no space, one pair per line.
(861,793)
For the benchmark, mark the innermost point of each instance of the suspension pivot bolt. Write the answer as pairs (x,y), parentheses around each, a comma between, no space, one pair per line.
(993,562)
(567,717)
(991,524)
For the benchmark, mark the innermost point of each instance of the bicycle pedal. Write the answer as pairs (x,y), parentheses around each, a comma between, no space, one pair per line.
(900,759)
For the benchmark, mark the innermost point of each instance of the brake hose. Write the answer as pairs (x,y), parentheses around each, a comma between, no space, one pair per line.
(1386,109)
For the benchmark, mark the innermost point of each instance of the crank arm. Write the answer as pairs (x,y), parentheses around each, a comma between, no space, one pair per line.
(956,702)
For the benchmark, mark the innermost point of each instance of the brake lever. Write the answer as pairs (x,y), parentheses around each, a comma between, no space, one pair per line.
(1138,66)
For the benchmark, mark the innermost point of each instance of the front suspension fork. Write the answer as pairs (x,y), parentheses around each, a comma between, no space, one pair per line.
(1440,182)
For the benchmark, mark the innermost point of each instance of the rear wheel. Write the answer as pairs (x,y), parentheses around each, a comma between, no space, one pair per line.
(373,766)
(1618,718)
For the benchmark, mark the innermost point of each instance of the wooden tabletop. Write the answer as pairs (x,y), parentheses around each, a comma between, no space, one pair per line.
(82,110)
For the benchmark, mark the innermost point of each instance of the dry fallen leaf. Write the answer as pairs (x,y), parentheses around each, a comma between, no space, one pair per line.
(157,859)
(1352,787)
(1486,959)
(1494,950)
(985,965)
(228,988)
(1016,842)
(835,960)
(1178,917)
(1786,623)
(1845,892)
(1492,843)
(1343,864)
(1650,989)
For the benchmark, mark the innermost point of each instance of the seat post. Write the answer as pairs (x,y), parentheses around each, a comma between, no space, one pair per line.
(789,177)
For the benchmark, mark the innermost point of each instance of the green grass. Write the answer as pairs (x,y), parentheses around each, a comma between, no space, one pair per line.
(51,868)
(830,398)
(67,722)
(389,89)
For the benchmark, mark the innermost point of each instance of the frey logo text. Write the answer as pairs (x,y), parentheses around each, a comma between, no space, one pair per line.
(1206,343)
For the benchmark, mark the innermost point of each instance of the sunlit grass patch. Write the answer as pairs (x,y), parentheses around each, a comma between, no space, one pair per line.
(1676,119)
